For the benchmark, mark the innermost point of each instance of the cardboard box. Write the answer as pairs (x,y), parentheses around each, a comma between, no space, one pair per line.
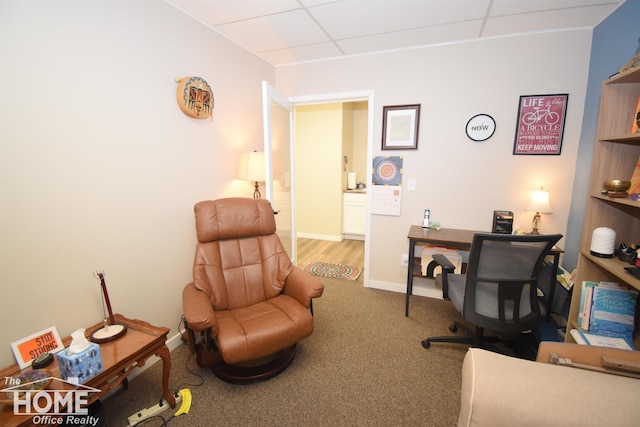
(81,366)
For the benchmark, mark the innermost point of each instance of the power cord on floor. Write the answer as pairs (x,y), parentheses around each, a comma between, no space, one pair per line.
(185,394)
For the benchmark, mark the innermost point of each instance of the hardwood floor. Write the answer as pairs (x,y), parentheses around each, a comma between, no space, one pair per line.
(349,252)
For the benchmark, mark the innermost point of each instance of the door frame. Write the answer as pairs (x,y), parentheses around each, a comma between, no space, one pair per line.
(270,95)
(363,95)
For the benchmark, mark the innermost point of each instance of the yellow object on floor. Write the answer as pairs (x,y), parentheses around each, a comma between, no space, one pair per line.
(185,405)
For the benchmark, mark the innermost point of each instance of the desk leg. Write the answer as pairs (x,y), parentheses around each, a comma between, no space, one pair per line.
(163,353)
(412,246)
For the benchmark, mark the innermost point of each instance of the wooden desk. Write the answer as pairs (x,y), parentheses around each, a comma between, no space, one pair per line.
(119,357)
(457,239)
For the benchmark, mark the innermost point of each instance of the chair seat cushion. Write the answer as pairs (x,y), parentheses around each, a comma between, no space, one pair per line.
(249,333)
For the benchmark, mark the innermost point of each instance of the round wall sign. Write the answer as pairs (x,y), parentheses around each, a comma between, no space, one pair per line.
(195,97)
(480,127)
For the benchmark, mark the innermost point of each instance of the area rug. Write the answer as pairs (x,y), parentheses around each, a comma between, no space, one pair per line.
(335,271)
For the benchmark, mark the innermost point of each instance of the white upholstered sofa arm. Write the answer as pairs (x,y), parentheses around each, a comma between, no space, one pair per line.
(498,390)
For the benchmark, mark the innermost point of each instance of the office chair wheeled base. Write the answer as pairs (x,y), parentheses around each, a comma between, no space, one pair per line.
(473,338)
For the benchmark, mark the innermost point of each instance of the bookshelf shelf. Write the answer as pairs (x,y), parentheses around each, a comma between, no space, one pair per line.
(616,153)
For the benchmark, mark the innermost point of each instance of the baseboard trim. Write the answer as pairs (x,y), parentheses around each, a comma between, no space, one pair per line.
(329,237)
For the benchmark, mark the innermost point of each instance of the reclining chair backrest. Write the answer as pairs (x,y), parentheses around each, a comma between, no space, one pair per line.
(501,284)
(239,259)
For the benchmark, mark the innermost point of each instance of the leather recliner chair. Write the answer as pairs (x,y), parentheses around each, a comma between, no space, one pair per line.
(248,305)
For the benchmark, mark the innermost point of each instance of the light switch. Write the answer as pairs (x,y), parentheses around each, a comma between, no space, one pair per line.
(411,184)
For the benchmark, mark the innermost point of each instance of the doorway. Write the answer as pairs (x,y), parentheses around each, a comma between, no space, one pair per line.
(337,140)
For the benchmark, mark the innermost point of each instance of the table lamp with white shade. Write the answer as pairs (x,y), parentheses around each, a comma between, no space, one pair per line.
(251,168)
(539,204)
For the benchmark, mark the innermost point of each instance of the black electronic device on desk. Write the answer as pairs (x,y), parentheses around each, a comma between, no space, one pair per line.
(502,222)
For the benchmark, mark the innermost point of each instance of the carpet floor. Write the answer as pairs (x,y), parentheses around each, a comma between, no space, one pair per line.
(362,366)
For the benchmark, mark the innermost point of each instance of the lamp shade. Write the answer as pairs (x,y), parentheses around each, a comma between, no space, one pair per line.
(540,202)
(251,167)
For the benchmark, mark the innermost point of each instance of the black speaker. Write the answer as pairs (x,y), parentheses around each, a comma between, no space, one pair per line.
(502,222)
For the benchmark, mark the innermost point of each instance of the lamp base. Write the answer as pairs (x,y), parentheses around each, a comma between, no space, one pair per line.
(108,333)
(256,192)
(535,223)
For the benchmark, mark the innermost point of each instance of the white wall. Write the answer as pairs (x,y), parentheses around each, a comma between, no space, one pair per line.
(99,168)
(461,181)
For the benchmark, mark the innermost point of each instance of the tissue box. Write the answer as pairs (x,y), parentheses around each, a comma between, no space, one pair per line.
(81,366)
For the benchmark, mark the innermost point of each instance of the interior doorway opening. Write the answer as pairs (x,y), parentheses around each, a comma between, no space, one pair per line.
(332,142)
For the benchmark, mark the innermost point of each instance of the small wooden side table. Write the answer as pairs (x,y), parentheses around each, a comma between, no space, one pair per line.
(119,358)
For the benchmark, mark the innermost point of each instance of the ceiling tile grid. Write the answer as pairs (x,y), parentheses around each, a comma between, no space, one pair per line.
(290,31)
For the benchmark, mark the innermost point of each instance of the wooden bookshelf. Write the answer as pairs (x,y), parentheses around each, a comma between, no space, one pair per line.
(615,155)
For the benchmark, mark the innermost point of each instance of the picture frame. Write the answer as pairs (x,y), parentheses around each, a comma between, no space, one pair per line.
(400,126)
(540,124)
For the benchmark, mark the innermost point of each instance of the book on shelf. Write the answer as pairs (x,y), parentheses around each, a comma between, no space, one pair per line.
(586,338)
(613,312)
(606,314)
(635,179)
(636,118)
(585,306)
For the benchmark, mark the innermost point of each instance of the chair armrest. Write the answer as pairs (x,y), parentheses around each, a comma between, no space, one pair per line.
(498,390)
(302,286)
(443,261)
(198,311)
(447,268)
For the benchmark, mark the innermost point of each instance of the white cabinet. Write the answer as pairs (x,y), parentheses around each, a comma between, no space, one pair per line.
(354,216)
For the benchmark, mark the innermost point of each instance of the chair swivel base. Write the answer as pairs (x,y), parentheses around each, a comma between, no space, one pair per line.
(251,372)
(477,339)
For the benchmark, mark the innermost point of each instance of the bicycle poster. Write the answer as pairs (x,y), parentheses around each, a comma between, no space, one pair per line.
(540,124)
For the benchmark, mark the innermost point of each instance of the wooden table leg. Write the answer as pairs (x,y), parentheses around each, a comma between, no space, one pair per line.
(163,353)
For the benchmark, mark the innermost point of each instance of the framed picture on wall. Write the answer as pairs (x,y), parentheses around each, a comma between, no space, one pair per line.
(400,125)
(540,124)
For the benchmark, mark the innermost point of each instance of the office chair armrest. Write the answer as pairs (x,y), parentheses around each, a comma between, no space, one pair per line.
(198,311)
(302,286)
(447,268)
(443,261)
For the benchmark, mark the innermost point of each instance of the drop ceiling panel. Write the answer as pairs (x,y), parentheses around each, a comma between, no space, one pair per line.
(510,7)
(288,29)
(216,12)
(349,19)
(412,38)
(543,21)
(302,53)
(317,29)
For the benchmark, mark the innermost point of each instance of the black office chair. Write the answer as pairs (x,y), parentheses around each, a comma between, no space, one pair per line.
(499,290)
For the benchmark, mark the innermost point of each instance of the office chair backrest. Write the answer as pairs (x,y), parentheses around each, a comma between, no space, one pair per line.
(501,283)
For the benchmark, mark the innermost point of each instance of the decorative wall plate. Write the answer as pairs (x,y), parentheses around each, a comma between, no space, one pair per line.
(195,97)
(387,170)
(480,127)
